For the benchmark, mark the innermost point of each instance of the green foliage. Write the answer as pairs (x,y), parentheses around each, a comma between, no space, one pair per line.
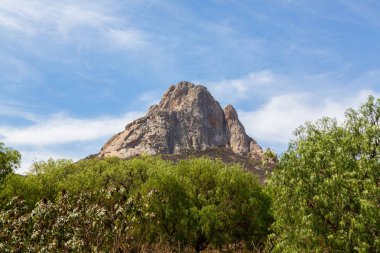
(9,161)
(42,181)
(48,179)
(103,221)
(115,205)
(201,202)
(326,194)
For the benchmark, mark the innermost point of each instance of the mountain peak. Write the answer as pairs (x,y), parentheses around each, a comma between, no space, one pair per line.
(185,94)
(230,113)
(187,118)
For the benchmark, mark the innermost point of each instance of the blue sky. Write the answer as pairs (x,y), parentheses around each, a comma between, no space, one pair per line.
(73,73)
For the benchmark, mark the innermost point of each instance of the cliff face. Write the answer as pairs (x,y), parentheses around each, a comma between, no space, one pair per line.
(187,118)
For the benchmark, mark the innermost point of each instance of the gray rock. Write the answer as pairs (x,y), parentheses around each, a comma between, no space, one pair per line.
(187,118)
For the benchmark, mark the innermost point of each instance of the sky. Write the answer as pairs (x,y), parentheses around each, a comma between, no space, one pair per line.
(75,72)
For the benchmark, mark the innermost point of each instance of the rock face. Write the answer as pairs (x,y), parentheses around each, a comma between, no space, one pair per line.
(188,118)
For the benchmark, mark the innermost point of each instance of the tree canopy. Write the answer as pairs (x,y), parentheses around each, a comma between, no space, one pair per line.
(326,188)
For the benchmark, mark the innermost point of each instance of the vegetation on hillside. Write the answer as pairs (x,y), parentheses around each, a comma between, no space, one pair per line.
(323,196)
(115,205)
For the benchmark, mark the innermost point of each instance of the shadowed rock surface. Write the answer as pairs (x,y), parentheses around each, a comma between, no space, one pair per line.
(187,118)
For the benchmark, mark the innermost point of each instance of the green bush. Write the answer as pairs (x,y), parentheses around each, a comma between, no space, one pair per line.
(201,202)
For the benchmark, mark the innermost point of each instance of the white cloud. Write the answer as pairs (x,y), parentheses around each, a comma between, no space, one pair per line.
(69,21)
(276,120)
(12,24)
(13,109)
(34,17)
(242,88)
(16,71)
(127,39)
(61,129)
(59,136)
(74,16)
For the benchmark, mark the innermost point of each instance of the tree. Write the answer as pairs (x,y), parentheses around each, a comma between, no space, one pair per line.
(9,161)
(326,188)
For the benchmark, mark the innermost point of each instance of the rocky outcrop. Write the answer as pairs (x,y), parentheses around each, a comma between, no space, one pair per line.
(187,118)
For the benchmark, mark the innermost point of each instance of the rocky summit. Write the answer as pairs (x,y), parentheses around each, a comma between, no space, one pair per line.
(187,118)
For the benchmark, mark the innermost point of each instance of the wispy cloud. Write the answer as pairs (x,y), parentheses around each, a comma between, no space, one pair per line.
(18,110)
(16,71)
(242,88)
(60,135)
(127,39)
(68,21)
(33,17)
(366,11)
